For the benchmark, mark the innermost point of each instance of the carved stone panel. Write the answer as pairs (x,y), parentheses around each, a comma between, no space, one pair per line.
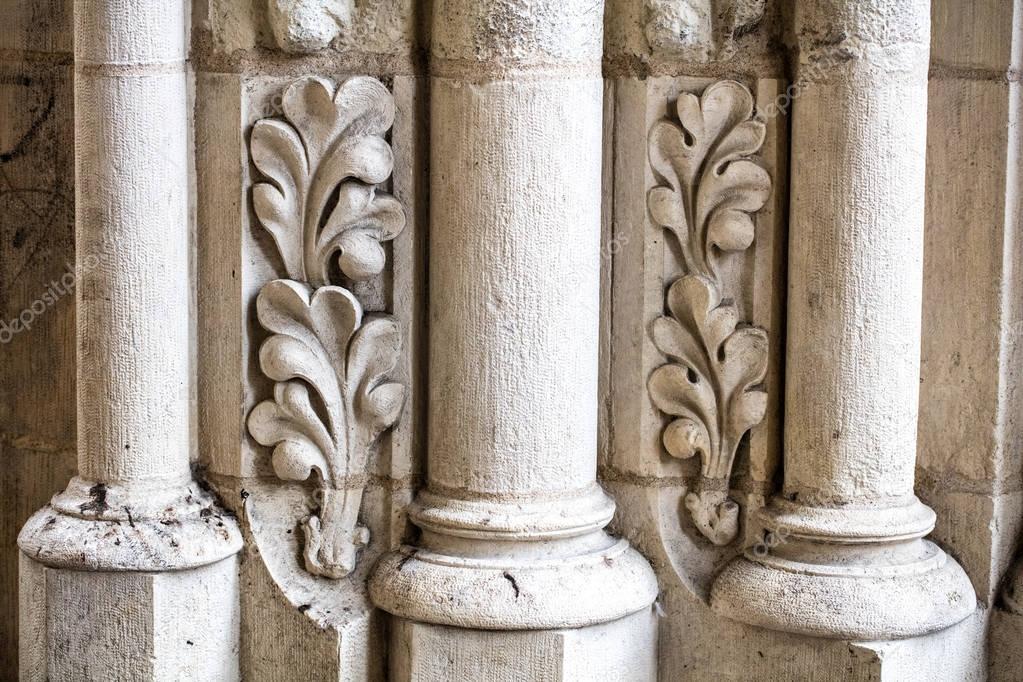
(332,396)
(712,384)
(306,618)
(695,312)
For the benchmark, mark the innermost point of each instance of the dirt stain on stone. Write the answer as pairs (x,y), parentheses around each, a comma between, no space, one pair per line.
(98,500)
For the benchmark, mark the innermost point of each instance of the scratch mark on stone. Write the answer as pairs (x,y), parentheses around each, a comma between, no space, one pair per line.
(407,558)
(515,586)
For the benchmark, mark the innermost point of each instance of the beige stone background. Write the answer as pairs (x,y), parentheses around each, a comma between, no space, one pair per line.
(969,465)
(37,366)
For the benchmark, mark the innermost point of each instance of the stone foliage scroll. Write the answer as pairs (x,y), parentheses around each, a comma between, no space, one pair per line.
(712,384)
(331,362)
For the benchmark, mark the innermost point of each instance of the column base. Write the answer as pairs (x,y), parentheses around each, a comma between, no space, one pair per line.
(597,586)
(954,653)
(525,566)
(156,527)
(126,625)
(129,582)
(824,580)
(623,649)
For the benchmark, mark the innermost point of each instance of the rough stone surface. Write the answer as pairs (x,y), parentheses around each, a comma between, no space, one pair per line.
(307,25)
(623,649)
(158,626)
(37,348)
(506,527)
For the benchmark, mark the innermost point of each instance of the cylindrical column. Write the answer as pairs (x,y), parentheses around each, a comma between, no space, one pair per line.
(844,554)
(134,511)
(512,517)
(131,118)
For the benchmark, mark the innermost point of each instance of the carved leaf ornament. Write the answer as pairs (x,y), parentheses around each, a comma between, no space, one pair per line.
(331,363)
(330,145)
(712,383)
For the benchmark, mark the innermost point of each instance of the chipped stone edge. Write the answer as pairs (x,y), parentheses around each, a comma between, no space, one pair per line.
(96,527)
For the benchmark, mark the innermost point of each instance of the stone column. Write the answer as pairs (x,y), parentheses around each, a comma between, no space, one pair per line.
(512,517)
(844,553)
(130,573)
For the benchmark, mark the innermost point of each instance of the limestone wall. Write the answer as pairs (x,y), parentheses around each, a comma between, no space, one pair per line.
(309,615)
(37,256)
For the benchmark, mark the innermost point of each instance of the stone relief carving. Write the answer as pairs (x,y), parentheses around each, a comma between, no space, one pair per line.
(320,201)
(712,384)
(301,26)
(700,30)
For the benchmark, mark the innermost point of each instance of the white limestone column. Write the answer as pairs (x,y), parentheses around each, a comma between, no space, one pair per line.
(130,573)
(844,554)
(512,517)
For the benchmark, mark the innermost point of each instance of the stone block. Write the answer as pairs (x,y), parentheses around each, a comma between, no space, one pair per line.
(623,650)
(172,625)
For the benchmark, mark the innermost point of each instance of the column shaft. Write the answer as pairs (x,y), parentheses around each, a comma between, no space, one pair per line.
(515,263)
(846,534)
(131,161)
(856,261)
(512,517)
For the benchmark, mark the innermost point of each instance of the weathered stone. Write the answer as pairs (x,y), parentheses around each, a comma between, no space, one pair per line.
(308,25)
(512,518)
(487,551)
(846,531)
(135,563)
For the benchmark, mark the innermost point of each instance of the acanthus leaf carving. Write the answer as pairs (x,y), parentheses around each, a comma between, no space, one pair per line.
(333,397)
(712,384)
(330,145)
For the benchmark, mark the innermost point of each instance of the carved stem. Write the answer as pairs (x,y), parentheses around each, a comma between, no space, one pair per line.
(334,537)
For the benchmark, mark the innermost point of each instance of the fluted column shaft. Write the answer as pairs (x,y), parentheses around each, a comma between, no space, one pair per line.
(512,517)
(847,520)
(134,511)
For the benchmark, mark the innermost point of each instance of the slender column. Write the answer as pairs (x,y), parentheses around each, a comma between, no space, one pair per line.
(130,572)
(847,556)
(512,517)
